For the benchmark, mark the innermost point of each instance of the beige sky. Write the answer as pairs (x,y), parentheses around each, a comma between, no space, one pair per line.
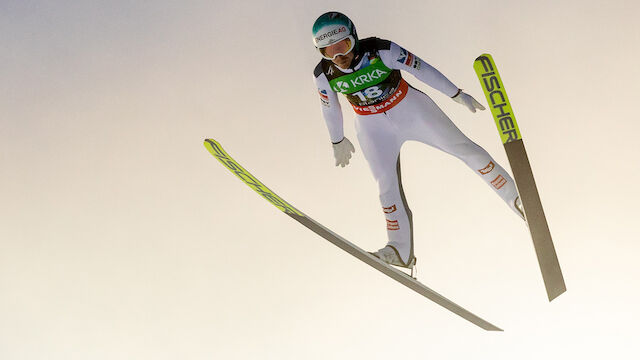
(122,238)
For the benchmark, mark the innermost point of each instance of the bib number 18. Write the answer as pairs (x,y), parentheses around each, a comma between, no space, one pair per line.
(369,93)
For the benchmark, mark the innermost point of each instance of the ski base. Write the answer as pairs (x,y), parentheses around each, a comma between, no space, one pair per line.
(536,220)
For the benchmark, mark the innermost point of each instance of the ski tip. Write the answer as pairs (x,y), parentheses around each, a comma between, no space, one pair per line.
(210,143)
(484,56)
(212,146)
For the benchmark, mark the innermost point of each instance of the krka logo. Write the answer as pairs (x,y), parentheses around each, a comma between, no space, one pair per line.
(371,75)
(341,86)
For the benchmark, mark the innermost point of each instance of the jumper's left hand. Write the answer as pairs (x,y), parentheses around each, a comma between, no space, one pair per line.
(342,152)
(468,101)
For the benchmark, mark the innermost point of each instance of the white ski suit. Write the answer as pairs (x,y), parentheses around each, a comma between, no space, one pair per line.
(390,112)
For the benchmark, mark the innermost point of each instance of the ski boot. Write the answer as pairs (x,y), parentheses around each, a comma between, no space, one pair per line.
(390,255)
(518,205)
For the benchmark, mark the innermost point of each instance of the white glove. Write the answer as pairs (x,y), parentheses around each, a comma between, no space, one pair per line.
(468,101)
(342,152)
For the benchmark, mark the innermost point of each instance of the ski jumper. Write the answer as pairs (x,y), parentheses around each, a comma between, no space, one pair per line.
(389,112)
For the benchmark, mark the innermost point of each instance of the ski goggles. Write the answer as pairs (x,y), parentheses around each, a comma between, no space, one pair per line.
(342,47)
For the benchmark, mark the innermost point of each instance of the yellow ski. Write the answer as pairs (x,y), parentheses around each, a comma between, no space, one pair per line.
(218,152)
(512,140)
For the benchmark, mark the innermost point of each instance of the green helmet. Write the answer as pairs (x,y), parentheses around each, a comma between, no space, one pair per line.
(332,27)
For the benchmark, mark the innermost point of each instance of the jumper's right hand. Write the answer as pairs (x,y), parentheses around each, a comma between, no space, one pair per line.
(468,101)
(342,152)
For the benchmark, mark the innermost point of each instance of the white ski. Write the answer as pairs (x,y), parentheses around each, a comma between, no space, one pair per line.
(218,152)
